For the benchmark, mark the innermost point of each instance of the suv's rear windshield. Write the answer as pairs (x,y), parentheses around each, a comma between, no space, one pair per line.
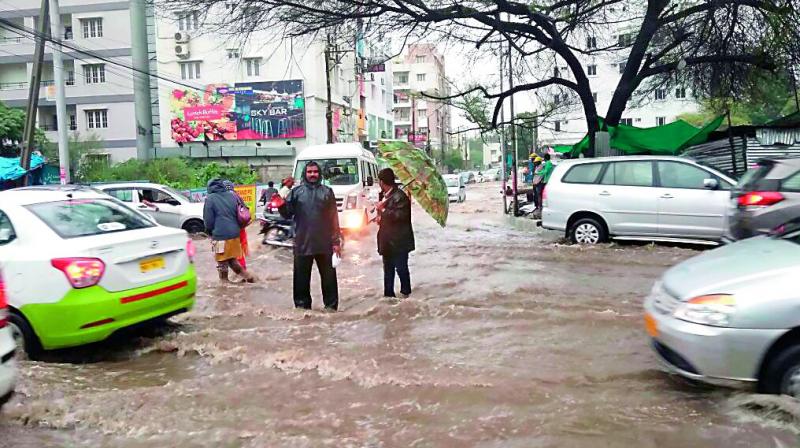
(86,217)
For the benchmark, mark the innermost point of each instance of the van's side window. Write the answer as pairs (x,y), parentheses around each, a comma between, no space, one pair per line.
(631,174)
(583,174)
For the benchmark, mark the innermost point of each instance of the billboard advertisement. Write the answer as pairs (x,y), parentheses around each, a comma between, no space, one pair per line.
(243,111)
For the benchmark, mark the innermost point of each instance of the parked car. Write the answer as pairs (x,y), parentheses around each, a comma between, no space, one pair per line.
(8,366)
(730,315)
(468,177)
(491,175)
(766,197)
(456,190)
(80,265)
(168,206)
(636,197)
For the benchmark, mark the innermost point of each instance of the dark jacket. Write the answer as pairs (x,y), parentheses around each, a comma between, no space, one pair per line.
(395,234)
(220,212)
(316,218)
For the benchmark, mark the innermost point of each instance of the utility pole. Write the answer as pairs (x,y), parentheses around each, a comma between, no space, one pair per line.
(143,107)
(61,97)
(413,120)
(536,132)
(329,110)
(33,90)
(513,136)
(502,137)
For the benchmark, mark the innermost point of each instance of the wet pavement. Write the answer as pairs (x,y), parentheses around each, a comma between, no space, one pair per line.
(511,339)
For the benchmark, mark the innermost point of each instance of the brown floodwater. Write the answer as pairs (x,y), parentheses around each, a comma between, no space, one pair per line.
(511,339)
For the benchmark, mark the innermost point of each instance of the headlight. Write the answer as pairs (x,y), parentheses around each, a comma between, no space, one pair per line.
(352,201)
(715,310)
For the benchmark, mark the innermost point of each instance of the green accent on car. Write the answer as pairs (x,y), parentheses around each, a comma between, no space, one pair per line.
(58,325)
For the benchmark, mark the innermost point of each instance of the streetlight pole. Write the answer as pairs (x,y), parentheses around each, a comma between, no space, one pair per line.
(513,136)
(503,138)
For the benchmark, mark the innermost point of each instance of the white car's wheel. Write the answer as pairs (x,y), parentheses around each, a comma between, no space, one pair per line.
(587,231)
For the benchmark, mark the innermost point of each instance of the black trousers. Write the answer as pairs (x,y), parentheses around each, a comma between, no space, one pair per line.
(538,189)
(396,262)
(302,281)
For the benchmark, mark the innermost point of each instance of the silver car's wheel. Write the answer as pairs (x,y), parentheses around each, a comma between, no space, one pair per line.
(791,382)
(587,234)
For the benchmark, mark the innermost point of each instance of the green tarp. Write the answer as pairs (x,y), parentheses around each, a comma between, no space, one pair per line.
(669,139)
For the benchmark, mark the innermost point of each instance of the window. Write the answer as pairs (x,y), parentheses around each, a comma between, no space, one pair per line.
(420,59)
(70,78)
(594,96)
(791,184)
(401,78)
(73,123)
(155,196)
(634,174)
(556,72)
(627,121)
(94,73)
(7,233)
(190,70)
(73,219)
(68,33)
(626,40)
(591,42)
(334,171)
(188,21)
(557,126)
(592,69)
(583,174)
(681,175)
(661,94)
(421,77)
(97,119)
(233,53)
(253,66)
(92,28)
(621,68)
(680,93)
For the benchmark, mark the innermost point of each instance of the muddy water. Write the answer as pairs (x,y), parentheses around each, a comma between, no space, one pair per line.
(511,339)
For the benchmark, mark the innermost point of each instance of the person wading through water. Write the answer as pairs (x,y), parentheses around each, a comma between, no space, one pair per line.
(220,215)
(317,237)
(395,235)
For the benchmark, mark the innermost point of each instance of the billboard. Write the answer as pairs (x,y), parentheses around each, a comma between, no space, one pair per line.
(243,111)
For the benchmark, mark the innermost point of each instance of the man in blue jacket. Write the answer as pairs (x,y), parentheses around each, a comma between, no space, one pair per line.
(317,237)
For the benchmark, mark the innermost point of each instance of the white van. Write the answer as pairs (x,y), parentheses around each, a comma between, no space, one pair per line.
(352,172)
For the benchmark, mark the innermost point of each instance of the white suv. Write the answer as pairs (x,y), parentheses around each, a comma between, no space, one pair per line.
(8,366)
(168,206)
(636,197)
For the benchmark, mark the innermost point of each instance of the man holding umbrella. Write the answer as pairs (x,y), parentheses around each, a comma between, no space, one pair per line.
(395,235)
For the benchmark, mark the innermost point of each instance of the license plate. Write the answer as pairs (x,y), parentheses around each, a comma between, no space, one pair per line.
(651,325)
(152,264)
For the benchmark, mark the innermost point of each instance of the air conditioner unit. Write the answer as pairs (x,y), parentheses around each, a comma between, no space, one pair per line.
(182,37)
(182,51)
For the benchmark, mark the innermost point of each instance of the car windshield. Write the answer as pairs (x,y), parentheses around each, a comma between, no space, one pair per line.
(334,171)
(180,195)
(85,217)
(451,181)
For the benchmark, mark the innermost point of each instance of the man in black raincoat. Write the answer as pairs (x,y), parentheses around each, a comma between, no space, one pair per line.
(317,237)
(395,236)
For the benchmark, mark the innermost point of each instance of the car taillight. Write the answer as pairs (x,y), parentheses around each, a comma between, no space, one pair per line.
(3,303)
(760,198)
(191,251)
(81,272)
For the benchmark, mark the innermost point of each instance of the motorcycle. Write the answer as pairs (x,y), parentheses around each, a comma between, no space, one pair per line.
(276,229)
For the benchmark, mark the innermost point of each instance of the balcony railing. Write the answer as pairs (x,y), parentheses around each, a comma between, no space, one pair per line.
(13,85)
(10,40)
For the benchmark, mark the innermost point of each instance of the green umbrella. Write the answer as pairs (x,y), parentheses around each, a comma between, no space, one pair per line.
(418,172)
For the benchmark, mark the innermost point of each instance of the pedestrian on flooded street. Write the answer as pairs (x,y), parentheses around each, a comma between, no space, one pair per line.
(317,237)
(220,215)
(395,234)
(242,227)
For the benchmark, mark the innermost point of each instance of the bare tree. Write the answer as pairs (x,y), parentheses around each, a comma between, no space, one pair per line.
(711,46)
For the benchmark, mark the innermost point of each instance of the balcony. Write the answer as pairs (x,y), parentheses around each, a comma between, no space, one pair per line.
(10,40)
(13,85)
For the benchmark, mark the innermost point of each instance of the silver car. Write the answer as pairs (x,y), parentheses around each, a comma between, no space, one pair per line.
(169,207)
(636,197)
(732,314)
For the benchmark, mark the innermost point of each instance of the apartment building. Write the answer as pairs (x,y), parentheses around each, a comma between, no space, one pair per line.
(99,94)
(427,123)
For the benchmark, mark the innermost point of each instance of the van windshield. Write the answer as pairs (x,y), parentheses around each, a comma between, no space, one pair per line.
(334,171)
(451,181)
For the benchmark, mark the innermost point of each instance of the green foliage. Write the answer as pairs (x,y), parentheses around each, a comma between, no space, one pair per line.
(12,126)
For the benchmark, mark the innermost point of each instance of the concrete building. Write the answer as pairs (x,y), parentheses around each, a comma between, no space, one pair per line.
(646,109)
(285,76)
(99,94)
(421,68)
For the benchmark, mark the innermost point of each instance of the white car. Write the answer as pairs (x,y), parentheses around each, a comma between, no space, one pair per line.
(456,190)
(80,265)
(651,198)
(168,206)
(8,366)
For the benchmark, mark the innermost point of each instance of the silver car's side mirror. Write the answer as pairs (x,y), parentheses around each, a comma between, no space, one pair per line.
(711,184)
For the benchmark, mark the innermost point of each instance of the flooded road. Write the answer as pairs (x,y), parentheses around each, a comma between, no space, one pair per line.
(510,339)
